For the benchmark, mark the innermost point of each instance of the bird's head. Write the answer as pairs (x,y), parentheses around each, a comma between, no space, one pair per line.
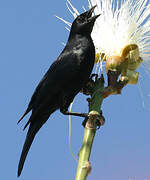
(84,23)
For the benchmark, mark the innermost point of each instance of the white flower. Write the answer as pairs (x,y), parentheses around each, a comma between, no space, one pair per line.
(121,23)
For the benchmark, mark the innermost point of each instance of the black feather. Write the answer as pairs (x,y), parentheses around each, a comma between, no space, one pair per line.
(64,79)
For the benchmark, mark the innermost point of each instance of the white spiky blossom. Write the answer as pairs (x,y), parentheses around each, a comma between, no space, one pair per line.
(121,23)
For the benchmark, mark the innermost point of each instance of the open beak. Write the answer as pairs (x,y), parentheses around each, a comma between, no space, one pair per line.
(89,14)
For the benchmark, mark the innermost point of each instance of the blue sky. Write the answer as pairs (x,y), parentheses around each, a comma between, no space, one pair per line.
(30,40)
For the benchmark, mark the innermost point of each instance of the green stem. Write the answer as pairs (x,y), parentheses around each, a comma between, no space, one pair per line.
(95,102)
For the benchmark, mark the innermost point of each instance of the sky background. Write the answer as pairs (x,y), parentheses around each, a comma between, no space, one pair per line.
(30,40)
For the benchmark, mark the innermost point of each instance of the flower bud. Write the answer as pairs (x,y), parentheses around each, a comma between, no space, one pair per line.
(134,65)
(131,52)
(114,63)
(131,76)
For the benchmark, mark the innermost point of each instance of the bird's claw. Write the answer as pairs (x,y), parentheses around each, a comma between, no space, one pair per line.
(85,121)
(99,121)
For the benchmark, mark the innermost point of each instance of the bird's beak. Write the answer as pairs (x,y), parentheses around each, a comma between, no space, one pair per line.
(89,14)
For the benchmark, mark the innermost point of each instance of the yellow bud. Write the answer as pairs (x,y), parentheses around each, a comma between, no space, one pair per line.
(134,65)
(131,53)
(131,76)
(114,63)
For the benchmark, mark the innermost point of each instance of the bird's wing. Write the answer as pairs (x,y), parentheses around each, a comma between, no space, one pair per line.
(33,97)
(60,73)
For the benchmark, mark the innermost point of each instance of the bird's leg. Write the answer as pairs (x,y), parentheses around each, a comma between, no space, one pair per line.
(65,102)
(74,113)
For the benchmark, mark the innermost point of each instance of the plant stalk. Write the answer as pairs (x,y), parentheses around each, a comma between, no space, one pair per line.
(84,166)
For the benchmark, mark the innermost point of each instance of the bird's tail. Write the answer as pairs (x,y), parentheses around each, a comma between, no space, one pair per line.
(25,113)
(33,129)
(36,121)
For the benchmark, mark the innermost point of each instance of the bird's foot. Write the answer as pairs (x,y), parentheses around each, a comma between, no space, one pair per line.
(85,121)
(99,121)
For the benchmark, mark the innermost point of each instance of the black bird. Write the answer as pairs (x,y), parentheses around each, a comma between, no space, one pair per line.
(63,80)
